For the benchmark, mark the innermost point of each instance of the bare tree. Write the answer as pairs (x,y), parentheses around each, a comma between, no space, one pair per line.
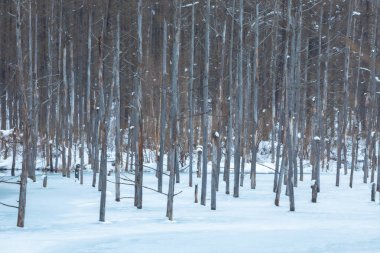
(25,159)
(163,109)
(138,114)
(239,105)
(173,163)
(205,105)
(190,100)
(227,164)
(255,102)
(116,76)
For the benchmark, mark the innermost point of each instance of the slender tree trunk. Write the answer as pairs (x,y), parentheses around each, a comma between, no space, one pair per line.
(88,87)
(347,52)
(220,105)
(29,100)
(138,117)
(82,131)
(281,175)
(64,112)
(214,173)
(50,107)
(239,105)
(326,144)
(71,91)
(255,103)
(205,106)
(319,126)
(227,164)
(339,152)
(247,114)
(289,110)
(163,110)
(173,134)
(273,78)
(116,74)
(190,101)
(372,112)
(24,109)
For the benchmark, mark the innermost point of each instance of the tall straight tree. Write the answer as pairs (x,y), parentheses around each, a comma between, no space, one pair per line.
(227,164)
(220,104)
(205,108)
(289,102)
(245,125)
(239,105)
(343,118)
(173,134)
(326,144)
(88,83)
(372,112)
(273,78)
(26,132)
(138,113)
(255,102)
(163,109)
(190,100)
(116,76)
(31,167)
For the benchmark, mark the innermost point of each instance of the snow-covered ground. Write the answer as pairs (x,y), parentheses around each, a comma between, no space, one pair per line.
(64,218)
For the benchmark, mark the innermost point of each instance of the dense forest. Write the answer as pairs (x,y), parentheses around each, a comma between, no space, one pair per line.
(211,78)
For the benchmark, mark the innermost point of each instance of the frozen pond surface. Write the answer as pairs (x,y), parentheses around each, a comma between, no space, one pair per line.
(64,218)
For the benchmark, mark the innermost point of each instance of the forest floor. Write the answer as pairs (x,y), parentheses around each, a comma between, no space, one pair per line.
(63,218)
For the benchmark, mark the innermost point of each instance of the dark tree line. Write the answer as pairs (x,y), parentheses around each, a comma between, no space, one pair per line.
(177,75)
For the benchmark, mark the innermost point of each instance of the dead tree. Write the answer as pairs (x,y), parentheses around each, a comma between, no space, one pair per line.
(190,100)
(227,164)
(163,109)
(116,76)
(219,105)
(273,77)
(255,102)
(239,105)
(138,114)
(214,172)
(173,133)
(205,106)
(26,131)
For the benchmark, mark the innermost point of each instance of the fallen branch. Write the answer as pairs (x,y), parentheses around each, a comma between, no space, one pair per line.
(8,205)
(146,187)
(6,182)
(266,166)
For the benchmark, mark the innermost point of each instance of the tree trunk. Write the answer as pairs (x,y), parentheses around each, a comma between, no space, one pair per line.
(88,88)
(138,117)
(24,110)
(190,101)
(173,133)
(227,164)
(220,105)
(163,110)
(239,105)
(274,87)
(214,173)
(116,74)
(205,108)
(255,103)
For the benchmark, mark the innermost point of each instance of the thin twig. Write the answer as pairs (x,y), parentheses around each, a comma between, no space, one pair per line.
(146,187)
(8,205)
(266,166)
(6,182)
